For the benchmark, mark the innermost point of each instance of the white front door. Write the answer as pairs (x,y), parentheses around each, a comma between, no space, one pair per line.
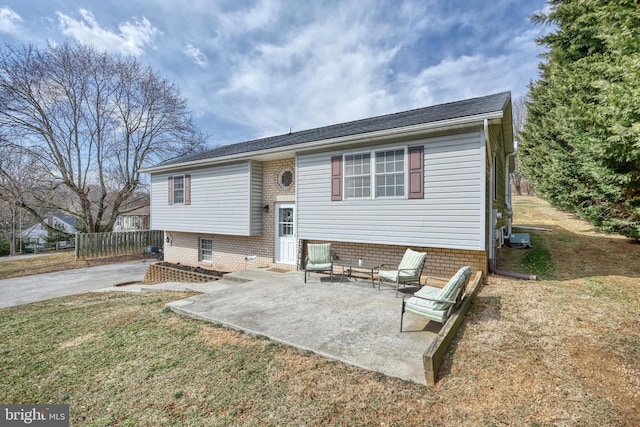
(285,234)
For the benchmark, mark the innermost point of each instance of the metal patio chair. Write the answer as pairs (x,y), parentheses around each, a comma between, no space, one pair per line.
(319,258)
(408,271)
(436,303)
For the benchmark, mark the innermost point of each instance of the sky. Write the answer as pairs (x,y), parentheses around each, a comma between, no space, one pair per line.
(257,68)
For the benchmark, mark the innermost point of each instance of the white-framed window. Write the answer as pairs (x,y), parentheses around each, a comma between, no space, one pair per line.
(357,176)
(206,250)
(390,173)
(178,189)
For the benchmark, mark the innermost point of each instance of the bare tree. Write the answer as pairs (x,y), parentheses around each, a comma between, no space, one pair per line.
(17,178)
(90,121)
(9,224)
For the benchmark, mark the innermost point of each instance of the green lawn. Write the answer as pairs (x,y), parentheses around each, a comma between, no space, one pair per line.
(122,359)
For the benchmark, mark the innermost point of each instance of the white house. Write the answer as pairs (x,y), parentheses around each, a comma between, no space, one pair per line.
(433,179)
(37,234)
(133,220)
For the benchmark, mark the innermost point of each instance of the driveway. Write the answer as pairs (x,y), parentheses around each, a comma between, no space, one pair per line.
(40,287)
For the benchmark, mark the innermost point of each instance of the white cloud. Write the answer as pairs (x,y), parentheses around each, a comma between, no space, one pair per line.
(9,21)
(326,70)
(477,73)
(195,54)
(250,19)
(267,65)
(456,78)
(130,39)
(545,10)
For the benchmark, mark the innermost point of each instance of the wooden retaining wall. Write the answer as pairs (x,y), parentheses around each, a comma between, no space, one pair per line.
(433,356)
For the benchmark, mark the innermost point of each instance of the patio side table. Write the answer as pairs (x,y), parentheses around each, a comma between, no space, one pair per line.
(361,266)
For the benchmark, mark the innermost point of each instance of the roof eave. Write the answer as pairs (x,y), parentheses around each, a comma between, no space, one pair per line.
(441,125)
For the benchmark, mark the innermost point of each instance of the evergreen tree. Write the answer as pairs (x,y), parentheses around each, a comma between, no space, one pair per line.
(580,146)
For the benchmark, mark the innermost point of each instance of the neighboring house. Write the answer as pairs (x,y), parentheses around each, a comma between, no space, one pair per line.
(136,219)
(433,179)
(37,234)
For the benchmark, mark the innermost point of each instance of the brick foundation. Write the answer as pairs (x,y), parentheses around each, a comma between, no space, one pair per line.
(235,253)
(442,263)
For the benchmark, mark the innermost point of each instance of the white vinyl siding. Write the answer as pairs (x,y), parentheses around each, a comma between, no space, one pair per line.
(449,215)
(255,191)
(224,200)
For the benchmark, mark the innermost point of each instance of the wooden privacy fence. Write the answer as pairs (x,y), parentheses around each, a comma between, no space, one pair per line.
(94,245)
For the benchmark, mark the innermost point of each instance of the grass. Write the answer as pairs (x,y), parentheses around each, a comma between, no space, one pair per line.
(42,264)
(121,359)
(563,351)
(538,259)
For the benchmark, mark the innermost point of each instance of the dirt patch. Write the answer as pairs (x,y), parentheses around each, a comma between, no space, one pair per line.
(78,341)
(221,337)
(199,270)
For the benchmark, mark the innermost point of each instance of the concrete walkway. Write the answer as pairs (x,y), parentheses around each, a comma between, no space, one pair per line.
(348,321)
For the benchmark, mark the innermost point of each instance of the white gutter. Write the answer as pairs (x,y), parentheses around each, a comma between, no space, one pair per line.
(486,130)
(325,143)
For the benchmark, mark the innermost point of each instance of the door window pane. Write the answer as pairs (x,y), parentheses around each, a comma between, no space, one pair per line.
(285,222)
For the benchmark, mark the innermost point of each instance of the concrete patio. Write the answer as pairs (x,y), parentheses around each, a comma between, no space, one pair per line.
(349,321)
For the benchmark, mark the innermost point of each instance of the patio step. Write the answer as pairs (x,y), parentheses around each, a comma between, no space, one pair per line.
(250,275)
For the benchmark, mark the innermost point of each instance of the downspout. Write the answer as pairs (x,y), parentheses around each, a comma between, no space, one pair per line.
(493,262)
(507,193)
(522,276)
(486,130)
(492,219)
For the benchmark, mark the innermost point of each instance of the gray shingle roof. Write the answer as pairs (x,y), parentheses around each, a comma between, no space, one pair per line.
(69,219)
(435,113)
